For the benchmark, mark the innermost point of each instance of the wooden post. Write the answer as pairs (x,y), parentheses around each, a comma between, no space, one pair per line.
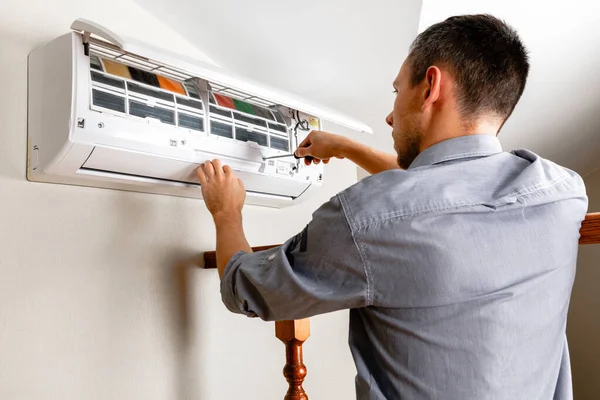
(590,229)
(293,334)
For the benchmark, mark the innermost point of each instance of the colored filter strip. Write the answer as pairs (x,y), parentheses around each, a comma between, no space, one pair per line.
(224,101)
(239,105)
(171,85)
(138,75)
(244,107)
(117,69)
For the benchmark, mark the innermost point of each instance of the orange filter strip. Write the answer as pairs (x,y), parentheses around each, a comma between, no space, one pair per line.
(117,69)
(171,85)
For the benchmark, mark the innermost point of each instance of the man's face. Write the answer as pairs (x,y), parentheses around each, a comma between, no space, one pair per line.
(406,118)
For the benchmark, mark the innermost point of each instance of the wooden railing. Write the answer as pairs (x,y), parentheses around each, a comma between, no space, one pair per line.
(590,229)
(294,333)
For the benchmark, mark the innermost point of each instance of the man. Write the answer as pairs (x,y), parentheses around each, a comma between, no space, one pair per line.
(458,266)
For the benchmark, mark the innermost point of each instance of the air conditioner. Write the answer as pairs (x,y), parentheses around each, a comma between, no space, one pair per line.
(105,112)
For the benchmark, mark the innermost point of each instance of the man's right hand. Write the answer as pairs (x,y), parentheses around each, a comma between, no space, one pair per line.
(322,146)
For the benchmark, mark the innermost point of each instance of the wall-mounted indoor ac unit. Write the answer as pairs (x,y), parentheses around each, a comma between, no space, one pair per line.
(108,113)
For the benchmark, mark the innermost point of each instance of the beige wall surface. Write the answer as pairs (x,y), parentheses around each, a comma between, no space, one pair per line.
(100,297)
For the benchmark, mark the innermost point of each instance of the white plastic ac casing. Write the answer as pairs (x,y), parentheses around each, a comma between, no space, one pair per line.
(72,142)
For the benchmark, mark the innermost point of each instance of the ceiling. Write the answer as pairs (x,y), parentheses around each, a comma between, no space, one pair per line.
(346,53)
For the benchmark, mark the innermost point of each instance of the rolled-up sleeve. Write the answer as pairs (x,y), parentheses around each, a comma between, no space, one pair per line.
(319,270)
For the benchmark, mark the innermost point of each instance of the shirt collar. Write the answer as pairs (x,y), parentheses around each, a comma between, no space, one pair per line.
(457,148)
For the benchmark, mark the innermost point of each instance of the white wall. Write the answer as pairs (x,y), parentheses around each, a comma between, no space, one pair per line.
(583,326)
(100,297)
(557,116)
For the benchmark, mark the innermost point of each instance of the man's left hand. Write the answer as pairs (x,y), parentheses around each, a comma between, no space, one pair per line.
(223,192)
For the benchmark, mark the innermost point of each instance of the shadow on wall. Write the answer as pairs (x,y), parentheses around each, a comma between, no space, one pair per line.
(171,271)
(175,299)
(181,285)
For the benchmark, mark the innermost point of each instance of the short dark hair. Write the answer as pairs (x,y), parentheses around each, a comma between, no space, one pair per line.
(485,55)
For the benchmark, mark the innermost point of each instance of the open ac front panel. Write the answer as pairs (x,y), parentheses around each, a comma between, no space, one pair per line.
(116,120)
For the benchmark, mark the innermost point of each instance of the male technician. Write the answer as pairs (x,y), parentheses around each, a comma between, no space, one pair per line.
(457,267)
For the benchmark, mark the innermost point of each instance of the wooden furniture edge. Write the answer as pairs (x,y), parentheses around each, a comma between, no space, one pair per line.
(590,234)
(210,257)
(590,229)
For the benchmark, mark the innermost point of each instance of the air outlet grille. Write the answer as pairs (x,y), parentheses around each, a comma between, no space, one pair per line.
(126,83)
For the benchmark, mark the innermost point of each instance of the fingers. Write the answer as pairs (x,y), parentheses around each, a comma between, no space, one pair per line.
(302,151)
(313,160)
(214,168)
(241,184)
(228,173)
(306,142)
(209,170)
(218,167)
(201,176)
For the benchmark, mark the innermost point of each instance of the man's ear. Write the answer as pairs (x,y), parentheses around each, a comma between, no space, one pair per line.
(433,83)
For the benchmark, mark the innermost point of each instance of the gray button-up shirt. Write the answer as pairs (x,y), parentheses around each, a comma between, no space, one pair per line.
(457,273)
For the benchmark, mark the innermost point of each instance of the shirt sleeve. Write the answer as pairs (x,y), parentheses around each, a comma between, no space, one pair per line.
(318,271)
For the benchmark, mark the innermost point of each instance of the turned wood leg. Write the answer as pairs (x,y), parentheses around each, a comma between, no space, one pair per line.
(293,334)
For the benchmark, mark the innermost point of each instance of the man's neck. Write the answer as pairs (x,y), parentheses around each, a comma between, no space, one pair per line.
(451,129)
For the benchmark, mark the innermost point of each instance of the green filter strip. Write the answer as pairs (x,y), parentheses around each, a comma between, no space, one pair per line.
(244,107)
